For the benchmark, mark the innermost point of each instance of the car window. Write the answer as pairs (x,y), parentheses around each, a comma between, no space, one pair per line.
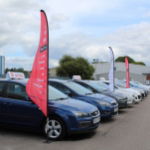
(16,91)
(86,86)
(55,94)
(62,88)
(2,84)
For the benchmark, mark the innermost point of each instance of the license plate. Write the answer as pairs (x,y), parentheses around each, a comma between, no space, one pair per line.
(116,110)
(96,120)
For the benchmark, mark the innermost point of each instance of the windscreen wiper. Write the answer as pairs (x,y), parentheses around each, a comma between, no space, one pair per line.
(61,98)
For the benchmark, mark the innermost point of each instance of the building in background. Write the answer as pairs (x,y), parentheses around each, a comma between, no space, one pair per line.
(137,72)
(2,66)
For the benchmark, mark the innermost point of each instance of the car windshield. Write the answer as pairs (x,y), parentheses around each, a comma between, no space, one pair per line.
(121,84)
(55,94)
(106,85)
(98,86)
(134,85)
(102,85)
(78,88)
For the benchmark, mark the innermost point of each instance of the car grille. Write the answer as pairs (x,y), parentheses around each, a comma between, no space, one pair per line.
(123,99)
(85,124)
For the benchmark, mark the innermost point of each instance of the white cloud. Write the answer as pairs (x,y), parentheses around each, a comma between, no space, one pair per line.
(20,24)
(81,6)
(17,62)
(131,40)
(25,62)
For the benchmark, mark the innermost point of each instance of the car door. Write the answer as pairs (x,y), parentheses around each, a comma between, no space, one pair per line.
(17,108)
(3,106)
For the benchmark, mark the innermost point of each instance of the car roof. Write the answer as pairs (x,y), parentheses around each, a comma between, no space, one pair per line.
(60,80)
(83,81)
(86,81)
(24,81)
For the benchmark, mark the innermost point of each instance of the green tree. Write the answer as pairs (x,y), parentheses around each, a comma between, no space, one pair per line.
(131,60)
(140,63)
(70,66)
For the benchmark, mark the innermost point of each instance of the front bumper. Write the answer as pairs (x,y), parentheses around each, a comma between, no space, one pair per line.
(83,130)
(137,99)
(85,125)
(109,112)
(122,103)
(130,102)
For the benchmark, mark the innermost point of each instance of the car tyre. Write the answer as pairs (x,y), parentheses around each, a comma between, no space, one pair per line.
(54,128)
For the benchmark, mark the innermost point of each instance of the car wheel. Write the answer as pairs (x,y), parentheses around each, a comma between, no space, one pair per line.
(54,128)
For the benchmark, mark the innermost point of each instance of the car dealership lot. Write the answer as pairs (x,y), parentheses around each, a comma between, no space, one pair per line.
(129,130)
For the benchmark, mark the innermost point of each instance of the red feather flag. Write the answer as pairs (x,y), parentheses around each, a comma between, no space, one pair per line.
(127,73)
(37,86)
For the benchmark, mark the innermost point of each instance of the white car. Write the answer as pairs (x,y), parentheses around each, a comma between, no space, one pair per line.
(130,96)
(136,93)
(141,86)
(139,92)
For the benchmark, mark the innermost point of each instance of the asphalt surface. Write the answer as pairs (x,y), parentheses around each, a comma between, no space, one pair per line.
(130,130)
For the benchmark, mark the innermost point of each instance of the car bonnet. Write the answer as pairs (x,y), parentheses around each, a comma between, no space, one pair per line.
(75,105)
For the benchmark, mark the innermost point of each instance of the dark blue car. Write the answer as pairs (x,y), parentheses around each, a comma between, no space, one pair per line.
(96,88)
(106,105)
(65,115)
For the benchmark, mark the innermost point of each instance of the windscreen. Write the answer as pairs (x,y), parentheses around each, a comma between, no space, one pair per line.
(121,84)
(55,94)
(78,88)
(97,86)
(101,85)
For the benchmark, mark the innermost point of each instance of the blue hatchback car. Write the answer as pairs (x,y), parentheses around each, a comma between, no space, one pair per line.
(65,115)
(107,106)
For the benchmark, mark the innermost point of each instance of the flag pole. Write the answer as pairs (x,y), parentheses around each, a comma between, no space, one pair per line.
(47,57)
(47,138)
(111,75)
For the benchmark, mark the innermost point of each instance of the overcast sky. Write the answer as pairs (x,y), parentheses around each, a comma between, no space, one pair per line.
(77,27)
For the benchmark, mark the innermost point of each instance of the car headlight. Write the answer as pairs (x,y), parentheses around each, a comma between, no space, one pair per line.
(104,103)
(81,114)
